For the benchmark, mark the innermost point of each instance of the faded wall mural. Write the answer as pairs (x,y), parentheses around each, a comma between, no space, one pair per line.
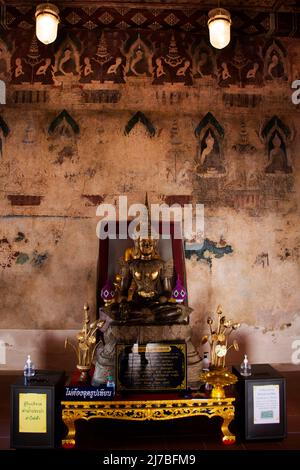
(109,112)
(104,56)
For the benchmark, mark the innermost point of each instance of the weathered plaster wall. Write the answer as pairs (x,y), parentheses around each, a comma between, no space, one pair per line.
(55,171)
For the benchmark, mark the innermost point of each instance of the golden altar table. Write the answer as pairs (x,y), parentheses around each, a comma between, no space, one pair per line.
(136,409)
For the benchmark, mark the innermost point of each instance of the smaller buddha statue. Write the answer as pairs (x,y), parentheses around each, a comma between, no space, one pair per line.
(143,288)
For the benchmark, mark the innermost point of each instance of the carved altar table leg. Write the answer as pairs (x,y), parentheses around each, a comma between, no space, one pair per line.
(69,441)
(228,438)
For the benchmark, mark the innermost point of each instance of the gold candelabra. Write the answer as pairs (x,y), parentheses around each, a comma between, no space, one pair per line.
(86,346)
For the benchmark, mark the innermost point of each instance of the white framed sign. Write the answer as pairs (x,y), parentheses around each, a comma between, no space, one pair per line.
(266,404)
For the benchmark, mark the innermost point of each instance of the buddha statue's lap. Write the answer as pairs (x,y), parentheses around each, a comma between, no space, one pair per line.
(147,312)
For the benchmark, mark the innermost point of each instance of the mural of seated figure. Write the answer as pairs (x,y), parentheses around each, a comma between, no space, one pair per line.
(278,157)
(66,64)
(139,59)
(275,61)
(209,155)
(275,67)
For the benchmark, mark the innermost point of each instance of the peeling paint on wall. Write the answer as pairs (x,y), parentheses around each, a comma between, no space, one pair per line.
(207,251)
(22,258)
(20,237)
(38,259)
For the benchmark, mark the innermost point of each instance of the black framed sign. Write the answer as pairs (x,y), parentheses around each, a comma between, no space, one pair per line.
(151,367)
(35,410)
(265,414)
(261,403)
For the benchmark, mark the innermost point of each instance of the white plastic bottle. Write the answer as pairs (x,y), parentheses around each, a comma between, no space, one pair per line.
(245,368)
(111,383)
(205,368)
(205,362)
(29,369)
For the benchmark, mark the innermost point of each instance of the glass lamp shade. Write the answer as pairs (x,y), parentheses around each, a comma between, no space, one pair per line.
(47,19)
(219,23)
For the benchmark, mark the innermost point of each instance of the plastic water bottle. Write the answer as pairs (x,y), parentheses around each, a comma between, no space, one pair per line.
(111,383)
(205,368)
(245,368)
(205,362)
(29,369)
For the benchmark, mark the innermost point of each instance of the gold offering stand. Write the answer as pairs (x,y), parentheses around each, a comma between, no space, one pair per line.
(218,379)
(152,409)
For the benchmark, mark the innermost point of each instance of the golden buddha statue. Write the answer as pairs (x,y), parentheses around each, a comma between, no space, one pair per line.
(144,288)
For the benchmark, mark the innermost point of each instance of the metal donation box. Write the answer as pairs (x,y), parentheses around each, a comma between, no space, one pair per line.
(35,410)
(261,403)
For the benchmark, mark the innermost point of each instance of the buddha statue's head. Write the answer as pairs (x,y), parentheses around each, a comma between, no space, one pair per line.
(146,247)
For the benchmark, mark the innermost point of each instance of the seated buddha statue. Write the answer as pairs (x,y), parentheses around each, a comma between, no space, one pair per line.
(144,288)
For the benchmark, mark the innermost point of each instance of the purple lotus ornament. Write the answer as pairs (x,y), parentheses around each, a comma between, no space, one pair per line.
(179,293)
(108,292)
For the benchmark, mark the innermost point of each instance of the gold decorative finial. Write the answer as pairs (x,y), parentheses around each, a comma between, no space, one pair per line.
(149,215)
(87,344)
(218,338)
(219,376)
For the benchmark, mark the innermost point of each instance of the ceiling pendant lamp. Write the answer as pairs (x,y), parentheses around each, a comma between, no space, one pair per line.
(219,22)
(47,19)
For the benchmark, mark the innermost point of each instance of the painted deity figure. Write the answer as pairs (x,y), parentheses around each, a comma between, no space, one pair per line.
(209,155)
(113,69)
(160,68)
(278,158)
(139,60)
(19,68)
(185,173)
(225,72)
(43,68)
(253,71)
(208,148)
(87,69)
(67,65)
(275,67)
